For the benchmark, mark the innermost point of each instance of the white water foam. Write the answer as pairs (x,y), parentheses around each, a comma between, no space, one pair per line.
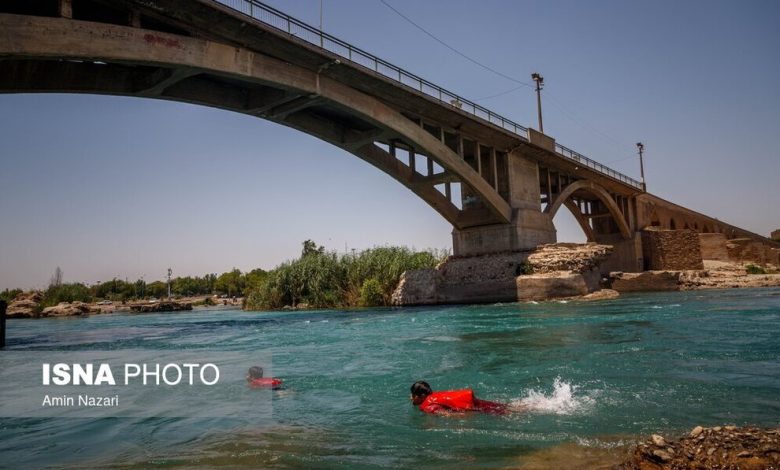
(562,400)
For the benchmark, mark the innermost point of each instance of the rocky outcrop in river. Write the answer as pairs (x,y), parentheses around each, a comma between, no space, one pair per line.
(68,309)
(721,447)
(26,305)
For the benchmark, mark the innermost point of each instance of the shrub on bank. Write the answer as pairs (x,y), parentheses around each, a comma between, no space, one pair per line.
(325,280)
(753,269)
(75,292)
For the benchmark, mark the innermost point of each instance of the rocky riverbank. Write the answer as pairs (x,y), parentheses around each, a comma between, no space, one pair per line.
(161,306)
(29,305)
(715,275)
(721,447)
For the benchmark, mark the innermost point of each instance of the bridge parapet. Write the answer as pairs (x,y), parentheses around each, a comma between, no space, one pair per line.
(294,27)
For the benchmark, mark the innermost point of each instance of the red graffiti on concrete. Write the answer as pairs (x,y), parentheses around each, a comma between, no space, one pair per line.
(167,42)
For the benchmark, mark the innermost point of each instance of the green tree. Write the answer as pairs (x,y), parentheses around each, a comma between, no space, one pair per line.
(140,289)
(230,283)
(311,248)
(157,289)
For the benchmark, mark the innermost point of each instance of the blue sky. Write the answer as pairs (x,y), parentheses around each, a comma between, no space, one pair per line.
(126,187)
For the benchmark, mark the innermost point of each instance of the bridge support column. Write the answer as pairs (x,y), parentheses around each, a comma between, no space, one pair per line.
(529,227)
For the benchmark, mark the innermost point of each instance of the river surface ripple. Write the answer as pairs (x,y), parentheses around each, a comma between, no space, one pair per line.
(595,376)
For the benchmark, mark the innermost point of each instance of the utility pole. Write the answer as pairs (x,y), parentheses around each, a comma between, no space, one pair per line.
(170,271)
(539,83)
(641,148)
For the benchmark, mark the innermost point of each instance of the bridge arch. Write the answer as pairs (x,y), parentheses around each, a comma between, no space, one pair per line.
(42,54)
(564,199)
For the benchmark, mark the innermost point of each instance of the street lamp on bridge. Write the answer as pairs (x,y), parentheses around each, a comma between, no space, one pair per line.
(641,148)
(539,83)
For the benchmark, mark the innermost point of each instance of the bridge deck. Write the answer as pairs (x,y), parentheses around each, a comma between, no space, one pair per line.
(375,74)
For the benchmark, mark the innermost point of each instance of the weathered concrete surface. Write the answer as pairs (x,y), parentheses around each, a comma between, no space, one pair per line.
(528,229)
(671,249)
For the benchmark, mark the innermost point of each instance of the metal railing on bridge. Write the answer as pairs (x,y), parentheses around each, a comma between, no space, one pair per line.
(286,23)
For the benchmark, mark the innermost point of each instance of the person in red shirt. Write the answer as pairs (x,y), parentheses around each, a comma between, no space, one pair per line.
(255,379)
(452,401)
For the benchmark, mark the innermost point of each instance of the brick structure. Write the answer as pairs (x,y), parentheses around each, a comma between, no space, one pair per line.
(746,250)
(713,246)
(776,235)
(671,250)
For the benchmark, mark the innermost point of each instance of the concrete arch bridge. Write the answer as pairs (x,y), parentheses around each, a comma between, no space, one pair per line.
(498,183)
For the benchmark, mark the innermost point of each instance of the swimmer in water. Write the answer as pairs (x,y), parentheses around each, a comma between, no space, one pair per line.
(454,401)
(255,379)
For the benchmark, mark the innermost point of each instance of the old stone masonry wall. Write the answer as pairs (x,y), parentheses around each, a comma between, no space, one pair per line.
(550,271)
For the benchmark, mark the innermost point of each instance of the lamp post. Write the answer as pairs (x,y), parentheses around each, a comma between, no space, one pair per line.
(641,148)
(170,271)
(539,83)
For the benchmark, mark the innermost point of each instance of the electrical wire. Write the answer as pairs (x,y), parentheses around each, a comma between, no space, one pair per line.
(571,116)
(499,94)
(453,49)
(523,84)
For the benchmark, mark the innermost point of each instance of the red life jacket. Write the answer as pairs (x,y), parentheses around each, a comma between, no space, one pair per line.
(266,382)
(451,400)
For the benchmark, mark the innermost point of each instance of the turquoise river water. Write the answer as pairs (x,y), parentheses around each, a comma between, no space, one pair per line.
(593,376)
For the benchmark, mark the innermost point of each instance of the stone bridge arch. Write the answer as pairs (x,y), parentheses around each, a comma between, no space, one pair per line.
(44,54)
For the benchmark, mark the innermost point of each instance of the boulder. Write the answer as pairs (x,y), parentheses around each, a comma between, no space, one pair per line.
(551,285)
(648,281)
(602,294)
(417,287)
(67,309)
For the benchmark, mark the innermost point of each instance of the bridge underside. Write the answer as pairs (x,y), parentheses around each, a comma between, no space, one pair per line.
(500,191)
(461,178)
